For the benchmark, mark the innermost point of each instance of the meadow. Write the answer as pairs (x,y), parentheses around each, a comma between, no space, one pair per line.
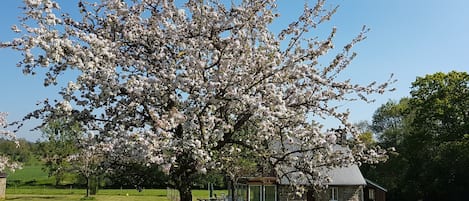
(33,184)
(102,195)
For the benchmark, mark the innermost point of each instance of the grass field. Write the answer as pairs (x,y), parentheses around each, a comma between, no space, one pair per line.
(29,174)
(78,198)
(32,184)
(103,195)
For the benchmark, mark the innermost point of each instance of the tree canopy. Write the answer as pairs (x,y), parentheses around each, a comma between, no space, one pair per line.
(181,83)
(430,131)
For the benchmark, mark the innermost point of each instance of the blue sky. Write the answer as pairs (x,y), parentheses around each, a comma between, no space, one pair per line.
(408,38)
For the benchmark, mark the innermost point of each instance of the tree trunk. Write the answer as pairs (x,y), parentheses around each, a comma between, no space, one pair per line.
(57,180)
(185,193)
(183,172)
(183,175)
(87,186)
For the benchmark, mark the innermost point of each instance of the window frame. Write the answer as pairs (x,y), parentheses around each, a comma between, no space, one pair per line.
(334,194)
(260,192)
(371,194)
(264,194)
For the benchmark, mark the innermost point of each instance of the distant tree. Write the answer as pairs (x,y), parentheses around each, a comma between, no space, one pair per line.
(365,133)
(187,80)
(61,141)
(19,150)
(390,121)
(136,175)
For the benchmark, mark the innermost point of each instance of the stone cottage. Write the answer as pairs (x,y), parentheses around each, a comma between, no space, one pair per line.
(347,185)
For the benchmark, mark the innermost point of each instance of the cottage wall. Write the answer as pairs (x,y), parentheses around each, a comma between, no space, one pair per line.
(287,193)
(380,195)
(351,193)
(346,193)
(3,183)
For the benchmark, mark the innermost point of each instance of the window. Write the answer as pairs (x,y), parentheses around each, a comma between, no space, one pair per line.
(241,192)
(371,194)
(255,193)
(334,193)
(270,193)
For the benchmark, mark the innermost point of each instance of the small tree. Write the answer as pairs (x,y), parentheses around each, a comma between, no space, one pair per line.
(187,81)
(87,162)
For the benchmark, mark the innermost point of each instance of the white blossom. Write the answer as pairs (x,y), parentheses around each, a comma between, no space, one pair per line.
(192,86)
(5,162)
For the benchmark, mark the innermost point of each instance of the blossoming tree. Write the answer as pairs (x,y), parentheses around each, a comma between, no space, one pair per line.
(184,82)
(5,162)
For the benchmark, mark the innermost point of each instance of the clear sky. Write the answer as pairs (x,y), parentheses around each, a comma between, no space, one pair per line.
(408,38)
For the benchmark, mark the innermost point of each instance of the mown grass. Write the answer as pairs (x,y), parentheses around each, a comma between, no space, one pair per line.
(79,197)
(33,184)
(43,194)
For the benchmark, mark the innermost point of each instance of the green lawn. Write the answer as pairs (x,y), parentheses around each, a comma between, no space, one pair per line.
(43,194)
(32,184)
(78,197)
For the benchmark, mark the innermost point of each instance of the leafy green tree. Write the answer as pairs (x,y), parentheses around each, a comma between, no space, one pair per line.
(438,137)
(390,121)
(61,138)
(366,135)
(135,175)
(389,126)
(20,151)
(430,132)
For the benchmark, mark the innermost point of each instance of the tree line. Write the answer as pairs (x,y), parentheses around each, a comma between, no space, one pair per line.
(430,132)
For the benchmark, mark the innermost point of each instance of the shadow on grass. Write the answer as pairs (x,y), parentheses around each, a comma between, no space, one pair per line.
(36,197)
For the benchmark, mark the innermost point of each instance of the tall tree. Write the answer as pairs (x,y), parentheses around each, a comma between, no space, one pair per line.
(185,81)
(430,132)
(439,135)
(391,127)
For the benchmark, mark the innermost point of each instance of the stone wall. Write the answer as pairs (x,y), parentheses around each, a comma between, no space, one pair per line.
(345,193)
(351,193)
(287,193)
(3,185)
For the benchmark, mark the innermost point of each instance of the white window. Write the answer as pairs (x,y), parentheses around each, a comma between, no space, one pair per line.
(334,193)
(371,194)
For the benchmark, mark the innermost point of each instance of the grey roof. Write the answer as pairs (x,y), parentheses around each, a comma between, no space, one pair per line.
(346,176)
(369,182)
(340,176)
